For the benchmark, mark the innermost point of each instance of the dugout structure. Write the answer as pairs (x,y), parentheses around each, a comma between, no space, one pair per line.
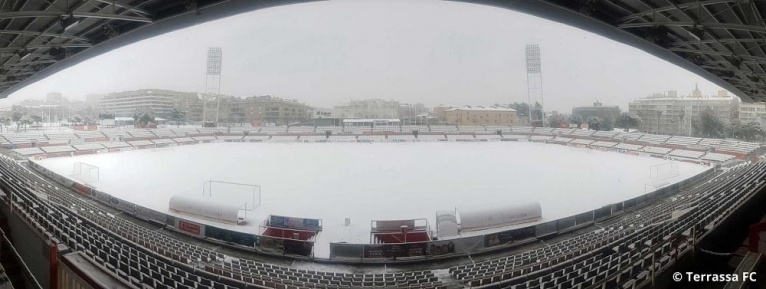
(399,231)
(289,235)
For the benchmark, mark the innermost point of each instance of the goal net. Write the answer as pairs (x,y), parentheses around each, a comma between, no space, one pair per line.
(85,172)
(233,192)
(663,171)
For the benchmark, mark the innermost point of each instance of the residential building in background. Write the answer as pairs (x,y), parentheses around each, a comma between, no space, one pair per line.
(480,115)
(674,115)
(159,103)
(368,109)
(752,112)
(597,110)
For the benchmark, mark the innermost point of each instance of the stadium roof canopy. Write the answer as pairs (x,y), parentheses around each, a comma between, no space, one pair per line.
(720,40)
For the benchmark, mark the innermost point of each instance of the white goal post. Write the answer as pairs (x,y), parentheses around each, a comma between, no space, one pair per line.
(85,172)
(663,171)
(233,192)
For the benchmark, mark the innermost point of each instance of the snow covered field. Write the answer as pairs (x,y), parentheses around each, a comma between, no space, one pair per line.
(364,182)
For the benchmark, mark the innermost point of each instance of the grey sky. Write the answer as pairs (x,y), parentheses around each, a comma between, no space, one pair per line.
(434,52)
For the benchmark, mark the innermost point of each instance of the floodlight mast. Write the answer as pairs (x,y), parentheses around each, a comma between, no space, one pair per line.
(212,82)
(534,84)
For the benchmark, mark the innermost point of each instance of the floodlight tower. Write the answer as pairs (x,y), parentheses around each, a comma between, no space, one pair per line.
(212,81)
(535,86)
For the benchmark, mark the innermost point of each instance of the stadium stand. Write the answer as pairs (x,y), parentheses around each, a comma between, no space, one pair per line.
(717,157)
(312,138)
(562,140)
(488,137)
(581,141)
(443,128)
(401,138)
(687,154)
(630,147)
(605,134)
(540,138)
(371,138)
(300,129)
(604,144)
(460,137)
(682,140)
(431,137)
(57,149)
(255,138)
(514,137)
(29,151)
(581,133)
(475,128)
(342,138)
(656,150)
(89,146)
(653,138)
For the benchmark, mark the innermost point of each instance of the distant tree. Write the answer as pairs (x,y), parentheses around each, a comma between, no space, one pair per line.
(748,132)
(555,120)
(145,119)
(709,125)
(17,112)
(576,119)
(25,120)
(75,120)
(594,123)
(178,116)
(629,120)
(36,119)
(4,122)
(522,109)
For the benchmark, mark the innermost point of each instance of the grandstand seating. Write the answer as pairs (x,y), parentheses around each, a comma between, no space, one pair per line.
(342,138)
(401,138)
(300,129)
(604,134)
(581,141)
(604,144)
(488,137)
(653,138)
(475,128)
(443,128)
(630,147)
(687,154)
(57,149)
(371,138)
(656,150)
(540,137)
(514,136)
(460,137)
(717,157)
(29,151)
(312,138)
(562,140)
(88,146)
(431,137)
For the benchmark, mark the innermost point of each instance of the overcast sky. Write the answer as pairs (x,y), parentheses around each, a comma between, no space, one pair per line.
(433,52)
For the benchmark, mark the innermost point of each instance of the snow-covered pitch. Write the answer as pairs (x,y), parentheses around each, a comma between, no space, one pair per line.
(378,181)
